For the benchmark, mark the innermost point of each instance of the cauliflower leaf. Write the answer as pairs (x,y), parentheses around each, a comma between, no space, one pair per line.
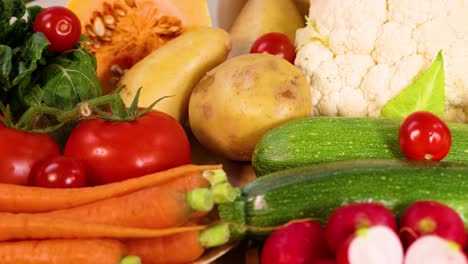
(427,93)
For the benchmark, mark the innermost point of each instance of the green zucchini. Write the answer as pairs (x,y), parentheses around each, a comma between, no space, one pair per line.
(315,191)
(327,139)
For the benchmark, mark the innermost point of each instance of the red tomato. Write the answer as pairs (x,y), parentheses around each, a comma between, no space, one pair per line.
(59,172)
(20,151)
(277,44)
(116,151)
(61,27)
(424,136)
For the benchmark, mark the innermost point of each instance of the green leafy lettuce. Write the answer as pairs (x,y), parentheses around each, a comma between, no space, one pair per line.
(30,74)
(427,93)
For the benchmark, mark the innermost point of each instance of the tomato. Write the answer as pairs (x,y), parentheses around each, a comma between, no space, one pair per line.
(424,136)
(116,151)
(59,172)
(61,27)
(20,151)
(277,44)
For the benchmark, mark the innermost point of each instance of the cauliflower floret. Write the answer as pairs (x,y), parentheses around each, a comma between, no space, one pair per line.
(357,55)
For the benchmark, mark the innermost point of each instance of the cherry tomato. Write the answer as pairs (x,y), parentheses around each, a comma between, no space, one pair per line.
(277,44)
(424,136)
(61,27)
(20,151)
(59,172)
(116,151)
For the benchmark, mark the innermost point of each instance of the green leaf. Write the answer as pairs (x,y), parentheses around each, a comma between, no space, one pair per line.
(427,93)
(69,79)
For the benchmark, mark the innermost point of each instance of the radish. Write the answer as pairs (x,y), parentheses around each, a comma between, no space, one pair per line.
(377,244)
(324,261)
(296,243)
(348,218)
(430,217)
(432,249)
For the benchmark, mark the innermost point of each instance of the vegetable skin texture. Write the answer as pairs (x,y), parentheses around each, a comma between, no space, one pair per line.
(154,207)
(15,198)
(374,49)
(173,249)
(329,139)
(316,191)
(236,103)
(60,251)
(27,226)
(193,53)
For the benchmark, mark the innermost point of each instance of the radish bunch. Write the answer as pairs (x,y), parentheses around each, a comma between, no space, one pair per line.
(367,233)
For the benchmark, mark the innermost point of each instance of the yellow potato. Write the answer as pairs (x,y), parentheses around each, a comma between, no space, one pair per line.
(237,102)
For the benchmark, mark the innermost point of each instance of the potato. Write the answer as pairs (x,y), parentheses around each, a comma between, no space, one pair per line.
(237,102)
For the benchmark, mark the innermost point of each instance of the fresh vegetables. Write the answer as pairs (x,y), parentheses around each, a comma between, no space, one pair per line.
(154,207)
(432,218)
(20,151)
(324,139)
(194,53)
(423,136)
(167,249)
(434,249)
(30,75)
(116,151)
(275,43)
(316,191)
(299,242)
(58,172)
(16,198)
(121,32)
(240,100)
(346,220)
(259,17)
(70,251)
(60,26)
(368,245)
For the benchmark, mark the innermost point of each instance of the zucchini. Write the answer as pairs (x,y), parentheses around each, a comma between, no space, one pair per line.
(328,139)
(316,191)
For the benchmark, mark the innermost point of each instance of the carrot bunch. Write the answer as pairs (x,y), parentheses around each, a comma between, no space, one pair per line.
(146,219)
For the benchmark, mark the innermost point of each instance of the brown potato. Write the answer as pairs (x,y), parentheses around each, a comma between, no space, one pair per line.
(236,103)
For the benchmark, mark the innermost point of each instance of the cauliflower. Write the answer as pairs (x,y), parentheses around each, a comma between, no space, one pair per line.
(359,54)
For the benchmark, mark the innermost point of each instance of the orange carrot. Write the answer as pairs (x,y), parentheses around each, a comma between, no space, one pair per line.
(155,207)
(30,226)
(16,198)
(188,182)
(173,249)
(61,251)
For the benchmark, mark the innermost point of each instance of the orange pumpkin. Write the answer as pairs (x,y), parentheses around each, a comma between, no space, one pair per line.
(122,32)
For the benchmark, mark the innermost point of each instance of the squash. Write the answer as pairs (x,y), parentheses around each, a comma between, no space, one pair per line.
(122,32)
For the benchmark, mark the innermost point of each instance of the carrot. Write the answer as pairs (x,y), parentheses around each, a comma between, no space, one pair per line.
(188,182)
(30,226)
(155,207)
(61,251)
(16,198)
(173,249)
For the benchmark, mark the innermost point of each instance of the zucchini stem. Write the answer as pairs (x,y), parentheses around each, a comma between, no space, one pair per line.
(224,193)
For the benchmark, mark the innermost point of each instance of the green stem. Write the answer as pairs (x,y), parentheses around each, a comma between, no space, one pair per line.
(214,236)
(200,199)
(130,260)
(224,193)
(215,176)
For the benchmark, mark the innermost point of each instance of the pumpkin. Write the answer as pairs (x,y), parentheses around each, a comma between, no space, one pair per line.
(122,32)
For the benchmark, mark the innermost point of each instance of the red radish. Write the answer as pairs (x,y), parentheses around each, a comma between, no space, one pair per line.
(432,249)
(324,261)
(376,244)
(431,217)
(347,219)
(299,242)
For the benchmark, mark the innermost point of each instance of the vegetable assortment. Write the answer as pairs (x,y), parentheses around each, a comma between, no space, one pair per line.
(367,232)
